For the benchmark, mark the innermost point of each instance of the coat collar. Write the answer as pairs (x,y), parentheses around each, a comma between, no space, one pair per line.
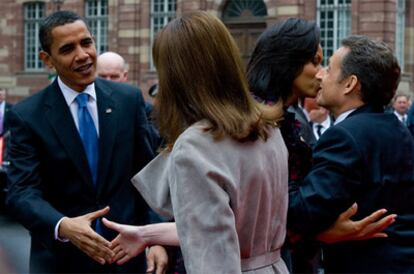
(366,109)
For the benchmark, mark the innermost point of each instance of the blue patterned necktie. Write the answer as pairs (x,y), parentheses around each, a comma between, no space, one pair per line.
(88,134)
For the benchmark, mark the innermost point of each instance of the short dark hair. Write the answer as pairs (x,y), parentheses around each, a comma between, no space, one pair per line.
(56,19)
(280,54)
(375,66)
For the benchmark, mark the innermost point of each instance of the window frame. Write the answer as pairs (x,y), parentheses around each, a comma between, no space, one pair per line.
(32,61)
(165,13)
(400,32)
(341,16)
(98,22)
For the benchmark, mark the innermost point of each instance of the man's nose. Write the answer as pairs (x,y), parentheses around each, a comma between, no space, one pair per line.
(81,54)
(321,73)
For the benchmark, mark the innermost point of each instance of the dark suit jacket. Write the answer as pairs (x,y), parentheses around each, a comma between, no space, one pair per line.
(7,108)
(368,158)
(49,175)
(410,119)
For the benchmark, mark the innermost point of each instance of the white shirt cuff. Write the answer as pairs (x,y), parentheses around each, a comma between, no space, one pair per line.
(57,232)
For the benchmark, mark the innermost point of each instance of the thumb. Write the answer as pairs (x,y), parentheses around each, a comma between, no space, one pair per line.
(150,263)
(349,212)
(99,213)
(111,225)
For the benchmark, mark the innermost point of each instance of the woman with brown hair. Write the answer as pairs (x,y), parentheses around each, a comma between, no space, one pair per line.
(223,174)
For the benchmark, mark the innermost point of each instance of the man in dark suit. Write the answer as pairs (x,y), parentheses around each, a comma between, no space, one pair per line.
(4,109)
(367,157)
(74,147)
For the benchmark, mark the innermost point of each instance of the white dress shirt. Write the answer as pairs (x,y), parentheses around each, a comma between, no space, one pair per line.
(324,126)
(70,96)
(402,118)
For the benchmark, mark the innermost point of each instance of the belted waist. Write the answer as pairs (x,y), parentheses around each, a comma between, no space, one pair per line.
(260,261)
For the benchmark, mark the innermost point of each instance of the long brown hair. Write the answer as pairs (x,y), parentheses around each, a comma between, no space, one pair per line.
(201,76)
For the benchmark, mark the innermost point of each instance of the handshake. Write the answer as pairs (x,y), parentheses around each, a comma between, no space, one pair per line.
(130,242)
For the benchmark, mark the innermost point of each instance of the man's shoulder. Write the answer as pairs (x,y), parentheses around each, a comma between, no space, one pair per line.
(33,101)
(124,89)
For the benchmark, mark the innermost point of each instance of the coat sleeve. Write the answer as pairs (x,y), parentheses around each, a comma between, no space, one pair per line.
(331,186)
(25,196)
(205,220)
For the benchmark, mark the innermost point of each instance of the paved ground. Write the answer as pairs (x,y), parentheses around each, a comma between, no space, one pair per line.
(14,246)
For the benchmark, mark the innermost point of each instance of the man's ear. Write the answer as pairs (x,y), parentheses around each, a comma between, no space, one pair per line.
(352,84)
(46,59)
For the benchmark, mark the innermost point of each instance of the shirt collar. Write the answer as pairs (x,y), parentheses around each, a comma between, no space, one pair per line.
(71,94)
(343,116)
(325,124)
(399,115)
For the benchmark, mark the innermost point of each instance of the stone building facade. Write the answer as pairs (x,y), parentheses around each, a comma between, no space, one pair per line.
(128,27)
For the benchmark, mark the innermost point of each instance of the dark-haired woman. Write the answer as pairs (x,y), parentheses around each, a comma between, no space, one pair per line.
(283,67)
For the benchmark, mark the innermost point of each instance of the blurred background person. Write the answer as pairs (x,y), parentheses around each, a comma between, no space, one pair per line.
(319,118)
(400,105)
(320,121)
(112,66)
(4,109)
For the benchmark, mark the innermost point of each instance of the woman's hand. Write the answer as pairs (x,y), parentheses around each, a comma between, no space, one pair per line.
(344,229)
(128,244)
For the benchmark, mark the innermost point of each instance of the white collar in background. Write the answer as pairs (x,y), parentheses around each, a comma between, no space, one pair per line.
(400,117)
(325,124)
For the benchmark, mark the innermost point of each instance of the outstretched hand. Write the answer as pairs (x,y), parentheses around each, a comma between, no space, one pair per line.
(79,232)
(344,229)
(127,244)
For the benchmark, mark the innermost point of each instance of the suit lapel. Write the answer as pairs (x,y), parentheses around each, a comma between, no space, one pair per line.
(107,113)
(60,119)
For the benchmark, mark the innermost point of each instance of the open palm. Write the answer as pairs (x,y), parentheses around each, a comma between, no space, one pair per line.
(127,244)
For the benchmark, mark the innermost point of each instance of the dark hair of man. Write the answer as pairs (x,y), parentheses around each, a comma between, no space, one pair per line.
(54,20)
(375,66)
(280,54)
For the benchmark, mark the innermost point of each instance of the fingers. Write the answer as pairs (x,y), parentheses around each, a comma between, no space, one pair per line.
(150,264)
(372,218)
(96,214)
(95,246)
(157,258)
(349,212)
(124,259)
(111,225)
(377,227)
(119,253)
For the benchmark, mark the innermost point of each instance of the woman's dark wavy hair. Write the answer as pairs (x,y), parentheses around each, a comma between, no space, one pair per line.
(279,57)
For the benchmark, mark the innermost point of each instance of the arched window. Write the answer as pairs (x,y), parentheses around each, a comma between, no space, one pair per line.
(246,8)
(246,20)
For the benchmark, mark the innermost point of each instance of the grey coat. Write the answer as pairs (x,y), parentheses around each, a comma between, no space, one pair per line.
(229,200)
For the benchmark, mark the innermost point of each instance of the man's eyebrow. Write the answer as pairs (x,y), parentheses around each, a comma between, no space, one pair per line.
(65,47)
